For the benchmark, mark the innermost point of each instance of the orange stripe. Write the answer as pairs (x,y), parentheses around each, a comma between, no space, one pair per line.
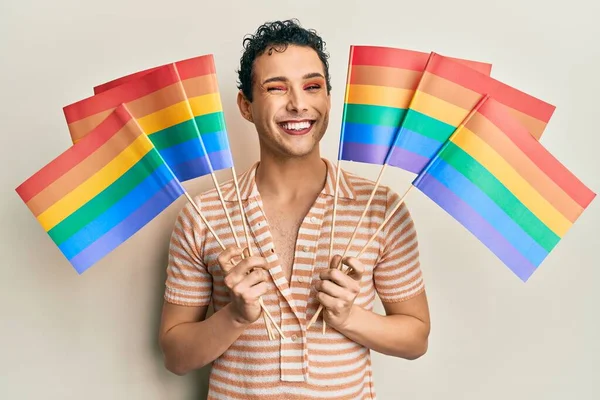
(507,149)
(157,101)
(82,127)
(201,86)
(85,169)
(384,76)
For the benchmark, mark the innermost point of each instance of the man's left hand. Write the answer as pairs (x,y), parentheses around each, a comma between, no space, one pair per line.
(337,291)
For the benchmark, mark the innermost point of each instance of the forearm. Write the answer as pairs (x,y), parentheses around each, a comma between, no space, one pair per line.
(401,336)
(192,345)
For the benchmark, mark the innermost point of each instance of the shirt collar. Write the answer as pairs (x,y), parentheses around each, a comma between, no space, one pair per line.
(248,188)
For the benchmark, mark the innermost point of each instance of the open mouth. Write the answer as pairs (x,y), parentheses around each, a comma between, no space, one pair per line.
(296,127)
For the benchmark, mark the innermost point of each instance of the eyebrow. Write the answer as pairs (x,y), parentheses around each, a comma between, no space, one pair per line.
(284,79)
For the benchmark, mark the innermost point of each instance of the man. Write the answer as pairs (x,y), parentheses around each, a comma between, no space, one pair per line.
(288,201)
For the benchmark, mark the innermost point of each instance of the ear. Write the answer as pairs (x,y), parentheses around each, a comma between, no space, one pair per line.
(244,106)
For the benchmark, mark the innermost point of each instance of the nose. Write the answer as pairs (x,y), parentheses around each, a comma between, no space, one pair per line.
(297,101)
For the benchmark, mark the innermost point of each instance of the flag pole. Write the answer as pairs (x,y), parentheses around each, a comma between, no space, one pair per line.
(401,201)
(212,172)
(220,194)
(248,246)
(381,226)
(262,305)
(339,167)
(382,170)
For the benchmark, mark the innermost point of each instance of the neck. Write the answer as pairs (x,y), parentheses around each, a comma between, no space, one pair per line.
(289,178)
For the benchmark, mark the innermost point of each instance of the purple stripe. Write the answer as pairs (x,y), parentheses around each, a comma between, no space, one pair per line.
(367,153)
(191,169)
(478,226)
(407,160)
(221,159)
(128,227)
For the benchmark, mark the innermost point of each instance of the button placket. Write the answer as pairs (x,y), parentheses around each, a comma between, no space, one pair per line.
(313,222)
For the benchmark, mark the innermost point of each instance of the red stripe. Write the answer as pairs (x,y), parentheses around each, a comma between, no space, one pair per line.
(480,83)
(389,57)
(190,68)
(146,84)
(74,155)
(197,66)
(497,113)
(405,59)
(120,81)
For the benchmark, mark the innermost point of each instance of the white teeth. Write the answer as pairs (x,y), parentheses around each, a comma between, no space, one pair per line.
(296,125)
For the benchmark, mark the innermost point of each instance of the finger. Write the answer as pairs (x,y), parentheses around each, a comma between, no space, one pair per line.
(329,302)
(258,290)
(357,268)
(349,285)
(246,252)
(336,262)
(253,278)
(225,258)
(338,277)
(332,289)
(237,273)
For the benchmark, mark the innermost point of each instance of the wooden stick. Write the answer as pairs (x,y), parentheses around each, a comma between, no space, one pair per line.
(246,233)
(216,183)
(373,237)
(335,199)
(262,304)
(377,183)
(242,213)
(339,266)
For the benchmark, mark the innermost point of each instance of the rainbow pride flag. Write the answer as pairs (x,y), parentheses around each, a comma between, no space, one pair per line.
(199,78)
(446,93)
(101,191)
(158,102)
(500,183)
(380,84)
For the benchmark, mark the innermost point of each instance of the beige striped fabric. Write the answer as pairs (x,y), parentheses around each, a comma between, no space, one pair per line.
(308,365)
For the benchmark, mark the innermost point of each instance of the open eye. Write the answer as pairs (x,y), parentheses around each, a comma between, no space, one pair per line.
(313,86)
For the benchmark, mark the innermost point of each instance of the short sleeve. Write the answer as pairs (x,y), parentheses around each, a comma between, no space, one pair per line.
(188,281)
(397,274)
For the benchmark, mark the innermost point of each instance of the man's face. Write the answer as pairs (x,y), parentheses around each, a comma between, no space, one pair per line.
(290,106)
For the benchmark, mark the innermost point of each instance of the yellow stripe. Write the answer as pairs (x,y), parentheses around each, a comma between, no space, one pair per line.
(206,104)
(95,184)
(512,180)
(438,109)
(378,95)
(165,118)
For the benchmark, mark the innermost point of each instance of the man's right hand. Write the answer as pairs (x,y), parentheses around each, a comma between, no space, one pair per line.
(246,281)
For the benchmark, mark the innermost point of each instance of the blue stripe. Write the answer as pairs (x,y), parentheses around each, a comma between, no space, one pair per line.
(182,152)
(117,213)
(417,143)
(369,134)
(488,209)
(128,227)
(215,141)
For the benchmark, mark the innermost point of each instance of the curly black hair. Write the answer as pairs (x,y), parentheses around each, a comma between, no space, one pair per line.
(278,35)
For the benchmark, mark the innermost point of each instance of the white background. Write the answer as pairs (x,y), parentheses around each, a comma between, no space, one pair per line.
(64,336)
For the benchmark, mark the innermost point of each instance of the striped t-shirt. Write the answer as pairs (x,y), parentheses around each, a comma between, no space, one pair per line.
(307,365)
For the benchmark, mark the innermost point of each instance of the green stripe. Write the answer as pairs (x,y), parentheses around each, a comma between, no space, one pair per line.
(105,199)
(427,126)
(213,122)
(374,115)
(495,190)
(173,135)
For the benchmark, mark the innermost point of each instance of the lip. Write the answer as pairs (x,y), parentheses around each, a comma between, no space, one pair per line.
(296,132)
